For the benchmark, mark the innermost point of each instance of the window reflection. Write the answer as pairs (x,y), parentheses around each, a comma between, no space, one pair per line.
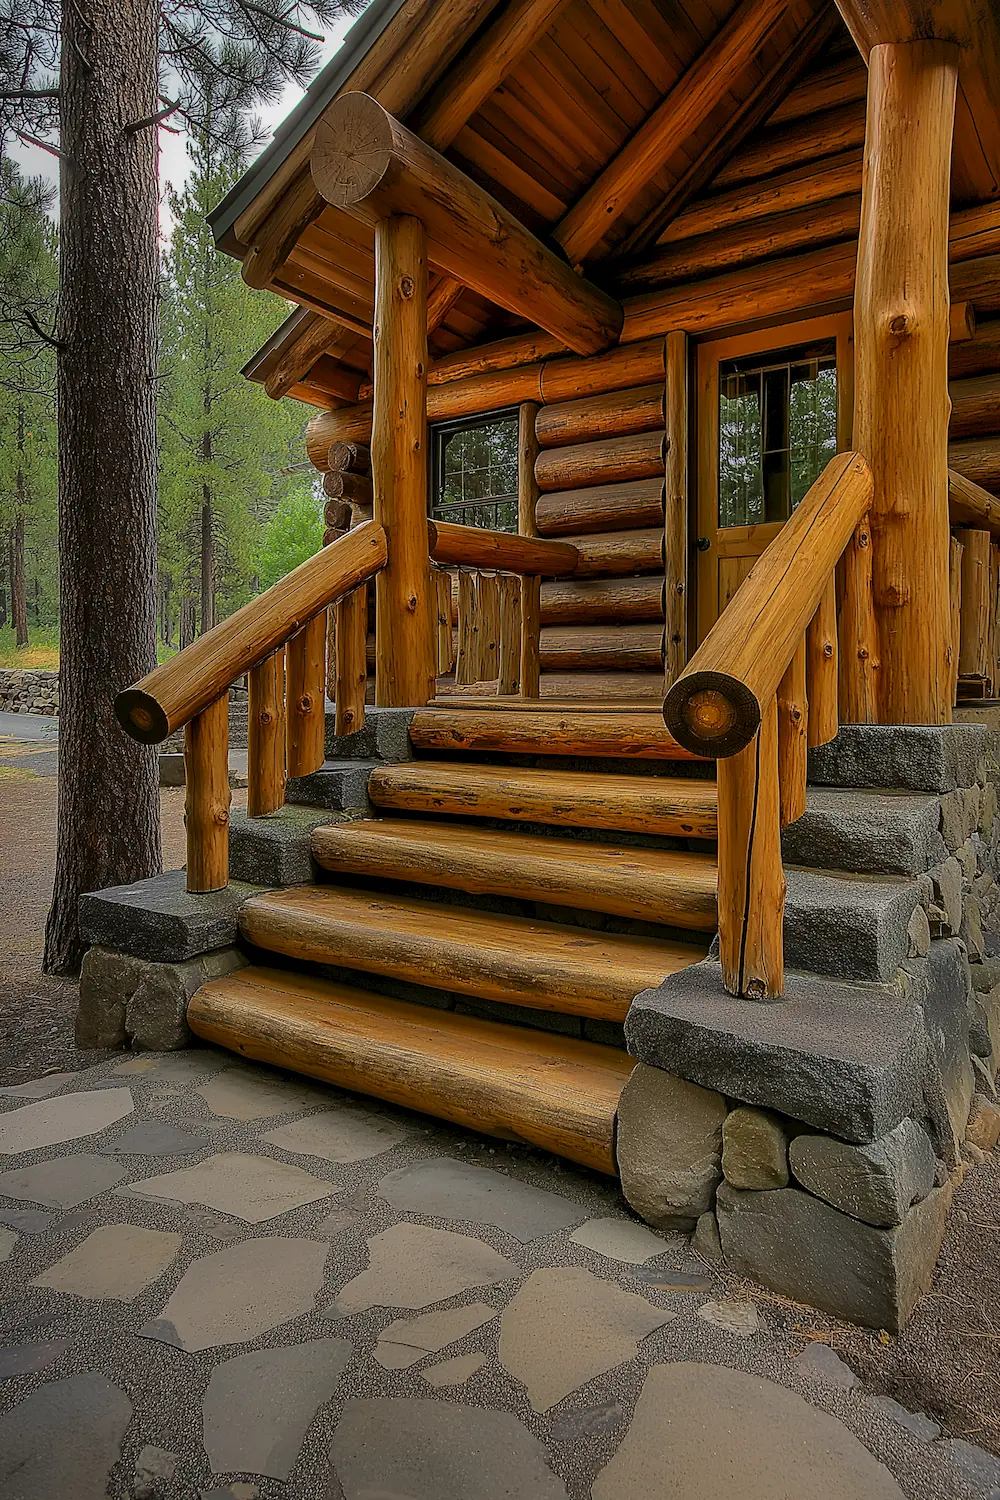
(475,472)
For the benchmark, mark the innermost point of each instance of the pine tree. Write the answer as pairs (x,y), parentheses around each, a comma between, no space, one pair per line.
(225,453)
(91,79)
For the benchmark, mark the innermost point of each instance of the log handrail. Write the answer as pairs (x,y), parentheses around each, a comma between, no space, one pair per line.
(970,505)
(174,692)
(716,705)
(759,690)
(506,551)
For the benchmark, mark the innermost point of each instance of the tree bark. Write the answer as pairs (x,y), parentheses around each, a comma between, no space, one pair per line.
(207,534)
(108,826)
(18,593)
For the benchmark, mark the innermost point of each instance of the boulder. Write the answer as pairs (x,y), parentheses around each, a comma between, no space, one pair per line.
(669,1147)
(127,998)
(878,1183)
(754,1149)
(983,1129)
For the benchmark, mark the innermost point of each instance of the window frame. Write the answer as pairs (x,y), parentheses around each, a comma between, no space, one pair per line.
(438,435)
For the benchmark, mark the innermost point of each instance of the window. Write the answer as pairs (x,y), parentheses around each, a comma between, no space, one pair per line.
(777,430)
(474,473)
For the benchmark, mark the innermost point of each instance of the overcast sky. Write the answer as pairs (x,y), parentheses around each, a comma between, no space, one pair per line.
(175,164)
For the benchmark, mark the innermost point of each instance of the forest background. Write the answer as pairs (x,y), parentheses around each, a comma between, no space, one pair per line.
(238,506)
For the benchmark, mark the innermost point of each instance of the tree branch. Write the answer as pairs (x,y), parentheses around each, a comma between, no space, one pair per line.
(259,10)
(47,338)
(33,140)
(29,93)
(162,114)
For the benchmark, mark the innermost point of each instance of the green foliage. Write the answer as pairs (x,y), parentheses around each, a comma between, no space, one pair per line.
(293,533)
(224,445)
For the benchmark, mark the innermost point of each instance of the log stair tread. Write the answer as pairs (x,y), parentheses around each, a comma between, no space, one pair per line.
(636,734)
(513,960)
(676,806)
(664,886)
(556,1092)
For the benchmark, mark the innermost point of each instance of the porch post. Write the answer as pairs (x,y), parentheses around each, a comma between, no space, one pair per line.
(901,406)
(405,660)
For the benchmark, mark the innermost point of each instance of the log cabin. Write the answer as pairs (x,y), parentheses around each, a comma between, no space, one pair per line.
(654,347)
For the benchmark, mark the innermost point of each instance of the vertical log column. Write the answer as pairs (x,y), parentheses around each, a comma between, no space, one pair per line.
(675,510)
(405,651)
(206,803)
(531,588)
(901,370)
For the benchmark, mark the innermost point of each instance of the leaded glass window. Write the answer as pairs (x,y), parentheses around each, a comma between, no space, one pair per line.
(474,478)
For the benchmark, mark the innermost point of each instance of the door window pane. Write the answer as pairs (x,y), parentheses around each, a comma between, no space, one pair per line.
(777,430)
(475,472)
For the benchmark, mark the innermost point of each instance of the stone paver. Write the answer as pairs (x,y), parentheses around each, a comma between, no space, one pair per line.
(28,1359)
(343,1136)
(408,1340)
(455,1371)
(241,1292)
(433,1450)
(705,1432)
(258,1406)
(565,1326)
(8,1239)
(738,1318)
(156,1138)
(251,1188)
(821,1363)
(116,1261)
(71,1117)
(70,1427)
(37,1088)
(64,1182)
(412,1266)
(186,1066)
(248,1096)
(449,1189)
(625,1240)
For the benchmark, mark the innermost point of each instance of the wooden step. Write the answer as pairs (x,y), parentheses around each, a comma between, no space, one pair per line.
(635,735)
(515,960)
(521,1085)
(653,885)
(682,807)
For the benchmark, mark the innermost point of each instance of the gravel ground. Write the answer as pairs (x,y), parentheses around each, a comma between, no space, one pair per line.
(947,1362)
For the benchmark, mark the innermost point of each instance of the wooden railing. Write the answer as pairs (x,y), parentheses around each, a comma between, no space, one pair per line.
(762,688)
(279,639)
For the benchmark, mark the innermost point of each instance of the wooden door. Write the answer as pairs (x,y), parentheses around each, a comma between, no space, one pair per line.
(772,408)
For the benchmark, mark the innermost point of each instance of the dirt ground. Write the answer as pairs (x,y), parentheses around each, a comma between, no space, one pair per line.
(946,1363)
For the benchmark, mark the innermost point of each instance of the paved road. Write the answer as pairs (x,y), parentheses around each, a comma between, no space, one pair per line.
(26,728)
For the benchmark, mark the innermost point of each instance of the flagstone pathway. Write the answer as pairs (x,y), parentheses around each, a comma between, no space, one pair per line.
(220,1281)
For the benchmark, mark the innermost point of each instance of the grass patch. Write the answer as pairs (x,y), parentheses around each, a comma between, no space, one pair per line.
(40,654)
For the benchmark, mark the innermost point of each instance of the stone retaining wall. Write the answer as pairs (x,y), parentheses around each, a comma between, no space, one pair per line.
(24,692)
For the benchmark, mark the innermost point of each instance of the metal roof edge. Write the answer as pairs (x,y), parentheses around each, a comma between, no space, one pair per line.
(359,39)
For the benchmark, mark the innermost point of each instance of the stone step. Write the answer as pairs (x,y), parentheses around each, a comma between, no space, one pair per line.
(488,955)
(866,832)
(903,757)
(558,1093)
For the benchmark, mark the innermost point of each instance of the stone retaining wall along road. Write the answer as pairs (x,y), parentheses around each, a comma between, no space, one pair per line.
(24,692)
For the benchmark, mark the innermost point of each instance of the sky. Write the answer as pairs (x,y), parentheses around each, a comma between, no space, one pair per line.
(175,164)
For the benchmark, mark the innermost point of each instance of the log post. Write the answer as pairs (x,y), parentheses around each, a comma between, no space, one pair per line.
(351,661)
(508,675)
(531,588)
(266,736)
(404,640)
(821,669)
(206,802)
(751,878)
(305,698)
(901,409)
(975,609)
(489,627)
(955,599)
(445,639)
(793,744)
(859,658)
(675,509)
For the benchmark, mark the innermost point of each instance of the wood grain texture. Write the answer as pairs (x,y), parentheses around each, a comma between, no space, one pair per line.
(673,806)
(675,526)
(405,649)
(554,1092)
(305,698)
(602,601)
(717,701)
(955,609)
(616,460)
(822,669)
(601,507)
(266,736)
(469,625)
(527,503)
(857,631)
(555,731)
(977,605)
(617,414)
(751,879)
(172,693)
(207,798)
(977,459)
(596,648)
(901,370)
(975,406)
(619,553)
(351,656)
(509,649)
(618,369)
(490,956)
(445,635)
(970,505)
(653,885)
(474,547)
(793,738)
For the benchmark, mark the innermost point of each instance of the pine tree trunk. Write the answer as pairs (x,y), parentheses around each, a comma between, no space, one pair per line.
(207,534)
(108,831)
(18,597)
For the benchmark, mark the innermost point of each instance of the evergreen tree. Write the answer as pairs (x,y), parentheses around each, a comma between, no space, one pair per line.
(93,79)
(225,450)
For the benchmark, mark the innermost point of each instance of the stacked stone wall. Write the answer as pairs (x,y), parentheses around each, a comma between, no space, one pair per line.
(29,692)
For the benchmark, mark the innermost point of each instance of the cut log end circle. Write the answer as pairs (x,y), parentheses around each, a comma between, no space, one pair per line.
(351,154)
(711,714)
(141,717)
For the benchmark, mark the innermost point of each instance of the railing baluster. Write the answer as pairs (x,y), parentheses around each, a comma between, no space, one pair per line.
(266,736)
(489,632)
(793,748)
(822,669)
(206,805)
(751,878)
(531,628)
(445,639)
(468,629)
(510,634)
(351,661)
(858,638)
(305,697)
(955,600)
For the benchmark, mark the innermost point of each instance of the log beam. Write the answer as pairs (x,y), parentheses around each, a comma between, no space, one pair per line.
(405,648)
(901,370)
(367,163)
